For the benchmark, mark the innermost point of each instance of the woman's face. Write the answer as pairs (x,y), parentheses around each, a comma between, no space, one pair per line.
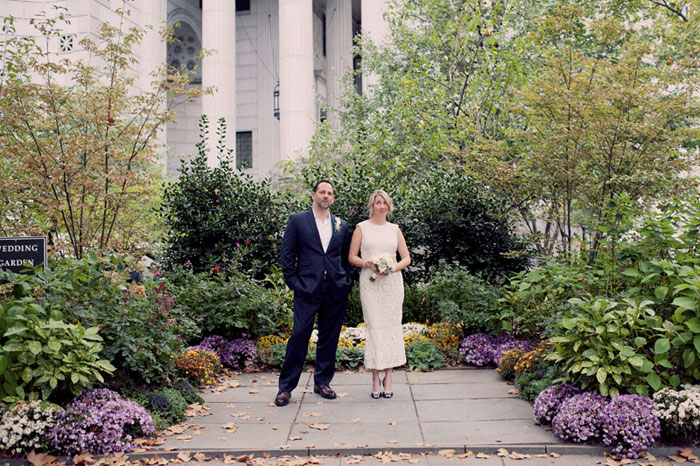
(380,207)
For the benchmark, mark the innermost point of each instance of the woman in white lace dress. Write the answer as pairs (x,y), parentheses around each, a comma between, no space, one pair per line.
(373,248)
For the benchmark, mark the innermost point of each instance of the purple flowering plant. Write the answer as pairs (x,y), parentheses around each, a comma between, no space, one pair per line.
(99,421)
(481,349)
(477,349)
(579,418)
(629,425)
(236,354)
(549,400)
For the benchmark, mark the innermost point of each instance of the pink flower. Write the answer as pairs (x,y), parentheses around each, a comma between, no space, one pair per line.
(238,245)
(156,272)
(216,268)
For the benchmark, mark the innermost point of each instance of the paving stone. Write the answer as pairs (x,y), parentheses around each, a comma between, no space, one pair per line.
(473,410)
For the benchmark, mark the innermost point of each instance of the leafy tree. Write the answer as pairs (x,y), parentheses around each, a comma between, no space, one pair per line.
(219,214)
(610,113)
(78,156)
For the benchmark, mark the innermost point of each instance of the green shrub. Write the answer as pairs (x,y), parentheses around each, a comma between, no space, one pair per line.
(458,297)
(532,383)
(424,356)
(533,301)
(188,392)
(40,353)
(353,312)
(277,353)
(350,358)
(212,212)
(602,346)
(140,328)
(229,303)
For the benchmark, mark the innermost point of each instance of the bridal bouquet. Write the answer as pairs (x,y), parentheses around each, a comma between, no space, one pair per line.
(383,264)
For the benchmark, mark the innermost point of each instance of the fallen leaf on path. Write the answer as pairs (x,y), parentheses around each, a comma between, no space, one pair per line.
(364,445)
(86,458)
(253,391)
(222,438)
(482,455)
(271,404)
(555,455)
(183,437)
(540,455)
(285,447)
(170,448)
(627,461)
(317,426)
(354,459)
(303,431)
(294,438)
(502,452)
(342,395)
(309,446)
(392,423)
(201,457)
(230,425)
(233,406)
(354,420)
(183,456)
(275,427)
(513,391)
(465,455)
(677,459)
(518,456)
(392,441)
(40,459)
(449,453)
(312,414)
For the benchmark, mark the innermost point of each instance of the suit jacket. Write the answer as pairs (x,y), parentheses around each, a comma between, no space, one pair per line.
(303,259)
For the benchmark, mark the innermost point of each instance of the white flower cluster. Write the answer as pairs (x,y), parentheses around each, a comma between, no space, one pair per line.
(412,328)
(356,334)
(678,411)
(24,427)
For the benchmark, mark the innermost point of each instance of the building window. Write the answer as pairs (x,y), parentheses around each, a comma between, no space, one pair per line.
(242,5)
(183,54)
(65,43)
(244,150)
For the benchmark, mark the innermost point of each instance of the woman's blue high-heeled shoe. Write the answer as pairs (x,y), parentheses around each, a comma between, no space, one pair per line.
(386,395)
(377,395)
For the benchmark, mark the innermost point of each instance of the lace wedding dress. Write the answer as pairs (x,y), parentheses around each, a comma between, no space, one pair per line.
(382,299)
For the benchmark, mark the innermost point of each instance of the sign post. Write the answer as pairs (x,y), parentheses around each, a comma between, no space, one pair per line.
(15,252)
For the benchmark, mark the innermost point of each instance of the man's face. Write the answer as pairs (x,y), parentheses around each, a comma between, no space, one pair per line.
(323,197)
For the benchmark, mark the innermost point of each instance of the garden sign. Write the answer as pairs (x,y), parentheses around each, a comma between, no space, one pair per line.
(15,252)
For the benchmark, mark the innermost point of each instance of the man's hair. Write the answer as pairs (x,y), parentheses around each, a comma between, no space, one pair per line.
(323,181)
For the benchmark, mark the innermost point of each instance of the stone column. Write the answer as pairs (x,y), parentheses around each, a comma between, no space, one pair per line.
(376,28)
(219,70)
(297,98)
(338,50)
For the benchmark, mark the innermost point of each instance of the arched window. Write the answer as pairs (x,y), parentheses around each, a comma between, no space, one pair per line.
(183,53)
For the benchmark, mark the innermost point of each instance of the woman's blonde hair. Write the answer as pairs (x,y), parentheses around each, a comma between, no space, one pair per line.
(373,197)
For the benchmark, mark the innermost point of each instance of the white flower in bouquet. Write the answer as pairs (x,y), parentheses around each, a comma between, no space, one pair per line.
(383,264)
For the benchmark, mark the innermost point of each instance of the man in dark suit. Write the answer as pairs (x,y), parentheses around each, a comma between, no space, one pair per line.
(315,266)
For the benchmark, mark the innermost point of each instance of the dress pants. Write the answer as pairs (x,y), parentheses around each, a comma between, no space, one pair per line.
(330,312)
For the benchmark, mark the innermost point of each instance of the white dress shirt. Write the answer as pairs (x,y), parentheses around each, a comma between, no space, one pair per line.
(324,231)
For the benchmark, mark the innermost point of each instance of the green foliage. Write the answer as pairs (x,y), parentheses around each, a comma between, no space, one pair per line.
(424,356)
(603,346)
(353,311)
(455,295)
(40,351)
(277,353)
(140,329)
(532,383)
(188,392)
(230,303)
(350,358)
(454,218)
(219,214)
(533,301)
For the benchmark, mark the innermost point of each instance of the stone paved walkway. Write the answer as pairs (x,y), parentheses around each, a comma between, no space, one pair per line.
(465,410)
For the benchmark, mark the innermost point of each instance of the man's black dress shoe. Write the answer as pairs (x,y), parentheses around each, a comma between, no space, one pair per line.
(325,391)
(282,398)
